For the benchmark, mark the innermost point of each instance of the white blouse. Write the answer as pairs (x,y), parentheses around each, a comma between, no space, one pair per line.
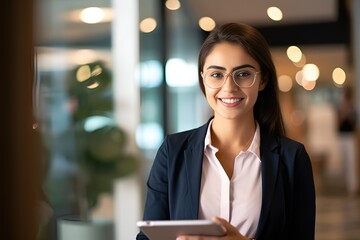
(238,199)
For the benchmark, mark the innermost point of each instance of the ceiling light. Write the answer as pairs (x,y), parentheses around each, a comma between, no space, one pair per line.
(92,15)
(173,4)
(207,24)
(89,15)
(294,54)
(339,76)
(274,13)
(148,25)
(311,72)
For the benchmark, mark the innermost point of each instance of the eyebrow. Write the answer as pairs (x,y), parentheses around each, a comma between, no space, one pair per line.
(235,68)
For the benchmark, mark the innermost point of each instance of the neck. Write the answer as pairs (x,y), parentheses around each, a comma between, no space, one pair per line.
(234,133)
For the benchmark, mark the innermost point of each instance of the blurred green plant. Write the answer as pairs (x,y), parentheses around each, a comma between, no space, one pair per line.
(100,142)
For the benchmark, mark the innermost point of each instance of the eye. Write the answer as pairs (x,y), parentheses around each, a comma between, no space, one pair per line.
(216,75)
(243,74)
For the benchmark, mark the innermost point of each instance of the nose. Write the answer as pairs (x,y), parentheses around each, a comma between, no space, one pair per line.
(229,83)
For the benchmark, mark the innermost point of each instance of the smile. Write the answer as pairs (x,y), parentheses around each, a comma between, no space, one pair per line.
(231,100)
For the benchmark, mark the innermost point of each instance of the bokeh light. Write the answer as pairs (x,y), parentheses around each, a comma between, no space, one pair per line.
(207,24)
(339,76)
(294,53)
(148,25)
(311,72)
(274,13)
(285,83)
(172,4)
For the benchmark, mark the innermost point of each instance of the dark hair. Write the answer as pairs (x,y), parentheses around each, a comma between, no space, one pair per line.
(267,108)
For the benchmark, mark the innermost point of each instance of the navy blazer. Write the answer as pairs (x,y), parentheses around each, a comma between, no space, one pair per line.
(288,193)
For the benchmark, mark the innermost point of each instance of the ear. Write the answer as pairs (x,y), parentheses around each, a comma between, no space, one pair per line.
(263,83)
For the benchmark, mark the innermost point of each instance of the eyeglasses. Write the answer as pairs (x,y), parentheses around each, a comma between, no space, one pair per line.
(244,77)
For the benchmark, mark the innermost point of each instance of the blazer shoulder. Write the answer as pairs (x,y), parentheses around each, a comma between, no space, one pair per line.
(279,142)
(292,150)
(282,145)
(195,135)
(290,143)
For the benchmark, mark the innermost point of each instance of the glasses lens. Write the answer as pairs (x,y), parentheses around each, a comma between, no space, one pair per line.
(244,77)
(214,78)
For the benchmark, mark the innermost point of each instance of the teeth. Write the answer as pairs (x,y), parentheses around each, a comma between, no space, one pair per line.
(230,100)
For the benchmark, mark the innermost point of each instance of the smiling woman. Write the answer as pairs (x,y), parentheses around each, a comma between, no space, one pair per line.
(240,160)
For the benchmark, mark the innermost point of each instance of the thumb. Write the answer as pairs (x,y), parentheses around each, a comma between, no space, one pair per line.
(231,230)
(220,220)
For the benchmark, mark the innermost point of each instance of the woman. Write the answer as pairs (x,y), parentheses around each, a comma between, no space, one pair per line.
(238,169)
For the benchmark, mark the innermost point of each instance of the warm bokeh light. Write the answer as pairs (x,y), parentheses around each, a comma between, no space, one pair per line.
(308,85)
(311,72)
(302,62)
(274,13)
(94,85)
(294,54)
(148,25)
(83,73)
(92,15)
(285,83)
(207,24)
(299,77)
(172,4)
(339,76)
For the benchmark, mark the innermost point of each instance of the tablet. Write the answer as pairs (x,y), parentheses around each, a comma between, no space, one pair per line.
(170,229)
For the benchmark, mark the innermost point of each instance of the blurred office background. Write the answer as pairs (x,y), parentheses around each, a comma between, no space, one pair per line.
(113,77)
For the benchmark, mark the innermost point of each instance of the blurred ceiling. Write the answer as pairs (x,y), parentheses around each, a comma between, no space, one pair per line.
(321,28)
(254,11)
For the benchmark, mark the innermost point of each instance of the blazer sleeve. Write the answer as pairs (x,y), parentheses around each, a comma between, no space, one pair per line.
(156,204)
(304,205)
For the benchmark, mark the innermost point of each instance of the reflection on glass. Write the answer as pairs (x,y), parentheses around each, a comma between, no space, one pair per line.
(151,74)
(149,135)
(179,73)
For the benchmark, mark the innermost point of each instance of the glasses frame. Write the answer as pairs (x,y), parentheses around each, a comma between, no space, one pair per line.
(226,75)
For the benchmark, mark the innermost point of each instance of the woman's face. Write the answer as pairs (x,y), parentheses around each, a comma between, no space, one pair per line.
(231,101)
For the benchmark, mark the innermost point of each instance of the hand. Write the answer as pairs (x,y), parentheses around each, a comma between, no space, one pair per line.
(231,233)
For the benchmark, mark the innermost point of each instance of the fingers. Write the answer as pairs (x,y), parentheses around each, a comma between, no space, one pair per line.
(229,228)
(232,232)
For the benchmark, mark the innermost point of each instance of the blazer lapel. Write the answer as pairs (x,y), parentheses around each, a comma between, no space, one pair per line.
(194,154)
(269,169)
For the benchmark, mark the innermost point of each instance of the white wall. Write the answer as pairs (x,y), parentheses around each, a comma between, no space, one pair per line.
(125,49)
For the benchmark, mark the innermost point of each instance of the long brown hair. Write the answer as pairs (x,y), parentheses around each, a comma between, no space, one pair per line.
(267,108)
